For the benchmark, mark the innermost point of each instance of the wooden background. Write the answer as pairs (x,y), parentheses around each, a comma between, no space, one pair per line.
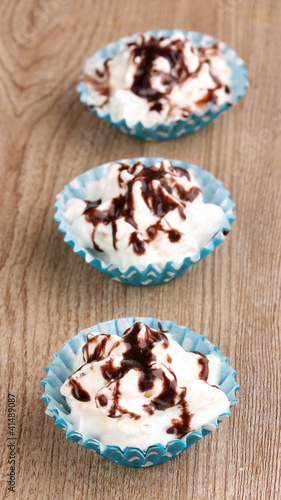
(49,294)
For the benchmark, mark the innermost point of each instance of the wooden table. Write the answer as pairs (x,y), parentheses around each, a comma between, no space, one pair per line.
(49,293)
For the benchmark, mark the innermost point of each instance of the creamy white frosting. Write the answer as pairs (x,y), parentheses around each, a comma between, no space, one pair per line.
(120,412)
(111,82)
(195,222)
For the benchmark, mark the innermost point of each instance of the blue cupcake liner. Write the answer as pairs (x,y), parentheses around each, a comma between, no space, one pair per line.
(179,127)
(64,365)
(213,192)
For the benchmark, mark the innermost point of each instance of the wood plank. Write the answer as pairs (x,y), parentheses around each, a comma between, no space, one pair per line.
(48,293)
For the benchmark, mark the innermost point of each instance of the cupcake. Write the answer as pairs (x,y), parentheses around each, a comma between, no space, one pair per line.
(138,391)
(162,84)
(144,221)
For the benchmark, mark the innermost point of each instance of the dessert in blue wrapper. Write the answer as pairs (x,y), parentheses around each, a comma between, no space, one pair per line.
(162,84)
(144,221)
(138,390)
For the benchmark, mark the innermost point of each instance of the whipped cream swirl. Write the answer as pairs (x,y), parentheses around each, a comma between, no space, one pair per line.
(142,388)
(158,80)
(135,215)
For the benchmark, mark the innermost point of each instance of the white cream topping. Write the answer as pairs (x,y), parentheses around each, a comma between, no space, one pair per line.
(141,397)
(200,75)
(168,219)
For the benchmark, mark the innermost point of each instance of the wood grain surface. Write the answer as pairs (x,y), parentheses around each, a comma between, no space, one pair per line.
(49,294)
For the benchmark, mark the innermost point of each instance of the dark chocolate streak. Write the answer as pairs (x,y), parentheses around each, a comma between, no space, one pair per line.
(181,426)
(98,352)
(162,331)
(102,400)
(78,392)
(148,51)
(204,363)
(100,83)
(159,199)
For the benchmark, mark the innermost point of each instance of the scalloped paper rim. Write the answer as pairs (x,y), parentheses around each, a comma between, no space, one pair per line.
(213,192)
(179,126)
(62,366)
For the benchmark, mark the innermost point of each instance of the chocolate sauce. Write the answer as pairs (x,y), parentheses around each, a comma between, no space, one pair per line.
(78,392)
(210,96)
(91,205)
(159,199)
(99,84)
(102,400)
(96,216)
(188,195)
(180,427)
(114,234)
(163,331)
(115,410)
(152,230)
(99,350)
(215,78)
(116,395)
(147,52)
(167,397)
(174,235)
(204,363)
(139,341)
(156,107)
(137,242)
(182,172)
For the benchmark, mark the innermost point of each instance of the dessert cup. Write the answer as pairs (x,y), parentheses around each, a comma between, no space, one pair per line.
(179,126)
(65,363)
(213,192)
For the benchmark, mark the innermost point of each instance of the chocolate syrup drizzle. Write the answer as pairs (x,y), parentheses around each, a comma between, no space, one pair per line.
(99,350)
(148,51)
(139,356)
(99,83)
(160,199)
(143,54)
(78,392)
(204,363)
